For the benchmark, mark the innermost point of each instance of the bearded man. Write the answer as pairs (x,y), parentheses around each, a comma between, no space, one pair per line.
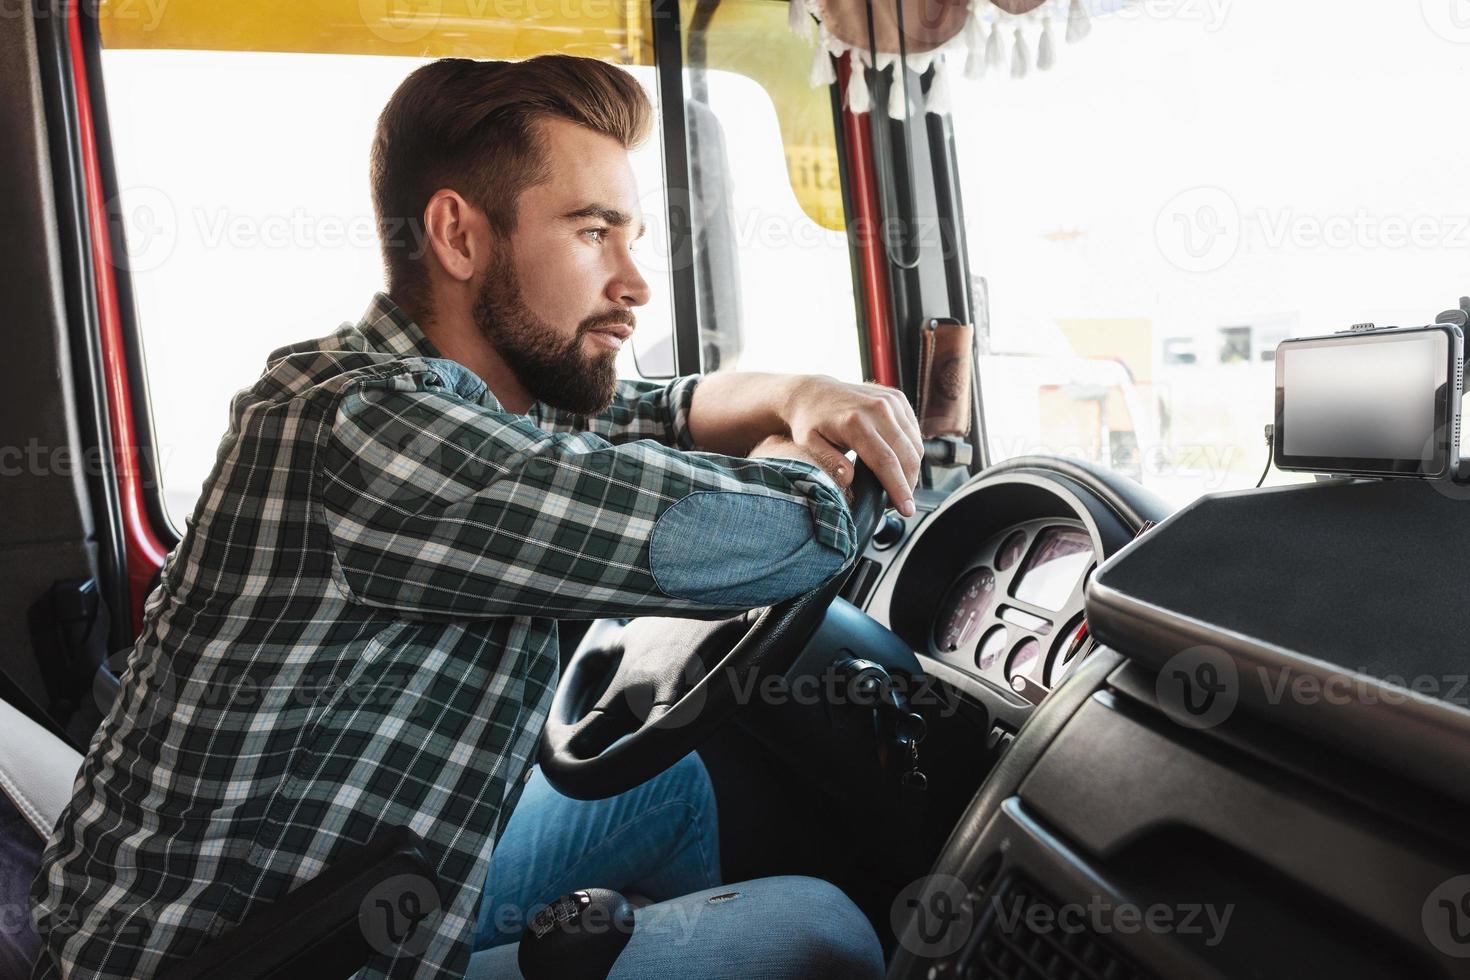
(399,515)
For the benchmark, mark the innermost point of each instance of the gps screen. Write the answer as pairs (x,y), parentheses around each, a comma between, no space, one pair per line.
(1367,398)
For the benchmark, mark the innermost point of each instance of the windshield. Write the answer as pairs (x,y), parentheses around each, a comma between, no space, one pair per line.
(1190,184)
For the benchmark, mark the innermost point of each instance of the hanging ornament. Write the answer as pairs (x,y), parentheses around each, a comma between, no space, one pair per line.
(1079,25)
(988,27)
(898,103)
(1046,49)
(974,48)
(799,19)
(938,99)
(824,73)
(859,99)
(995,48)
(1020,60)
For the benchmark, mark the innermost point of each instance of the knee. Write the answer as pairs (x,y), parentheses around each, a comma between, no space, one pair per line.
(825,936)
(691,778)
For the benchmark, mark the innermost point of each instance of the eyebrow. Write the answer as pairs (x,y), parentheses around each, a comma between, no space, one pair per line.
(607,215)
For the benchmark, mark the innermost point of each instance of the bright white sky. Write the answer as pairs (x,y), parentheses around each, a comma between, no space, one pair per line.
(1302,112)
(1198,164)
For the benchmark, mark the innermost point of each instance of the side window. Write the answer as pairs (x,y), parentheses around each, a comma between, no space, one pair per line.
(241,153)
(773,268)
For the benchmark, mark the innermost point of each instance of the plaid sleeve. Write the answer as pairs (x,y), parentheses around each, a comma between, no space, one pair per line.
(639,410)
(438,506)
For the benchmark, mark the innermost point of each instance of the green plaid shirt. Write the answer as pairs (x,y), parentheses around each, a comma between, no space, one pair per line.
(359,630)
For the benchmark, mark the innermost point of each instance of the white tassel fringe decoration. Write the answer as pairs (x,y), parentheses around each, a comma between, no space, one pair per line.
(1020,61)
(799,19)
(859,99)
(984,46)
(1046,50)
(898,105)
(824,73)
(974,48)
(995,48)
(1079,25)
(938,99)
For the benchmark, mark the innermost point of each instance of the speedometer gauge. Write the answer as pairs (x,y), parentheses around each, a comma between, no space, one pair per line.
(963,610)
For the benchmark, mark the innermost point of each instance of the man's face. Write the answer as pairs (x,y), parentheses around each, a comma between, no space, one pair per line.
(557,300)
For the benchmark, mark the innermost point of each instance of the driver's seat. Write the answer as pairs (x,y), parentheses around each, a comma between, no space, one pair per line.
(313,931)
(36,774)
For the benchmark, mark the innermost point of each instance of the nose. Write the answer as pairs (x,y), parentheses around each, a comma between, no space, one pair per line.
(627,286)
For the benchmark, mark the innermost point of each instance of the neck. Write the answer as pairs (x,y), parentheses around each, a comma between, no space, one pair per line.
(487,363)
(457,338)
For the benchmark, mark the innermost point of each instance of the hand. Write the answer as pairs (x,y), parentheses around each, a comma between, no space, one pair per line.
(827,417)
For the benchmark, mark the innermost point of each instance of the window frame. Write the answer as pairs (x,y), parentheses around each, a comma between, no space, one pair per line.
(127,310)
(115,427)
(668,66)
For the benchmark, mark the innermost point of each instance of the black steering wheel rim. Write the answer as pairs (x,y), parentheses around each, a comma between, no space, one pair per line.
(676,699)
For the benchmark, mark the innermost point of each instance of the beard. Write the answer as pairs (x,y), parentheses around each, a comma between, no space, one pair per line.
(553,371)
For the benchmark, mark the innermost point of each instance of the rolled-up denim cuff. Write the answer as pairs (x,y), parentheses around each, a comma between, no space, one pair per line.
(739,550)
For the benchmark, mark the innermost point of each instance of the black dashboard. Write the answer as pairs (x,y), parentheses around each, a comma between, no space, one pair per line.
(1301,824)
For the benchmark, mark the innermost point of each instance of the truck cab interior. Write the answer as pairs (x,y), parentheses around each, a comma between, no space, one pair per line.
(1112,702)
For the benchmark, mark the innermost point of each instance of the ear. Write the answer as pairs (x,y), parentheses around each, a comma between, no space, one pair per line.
(458,234)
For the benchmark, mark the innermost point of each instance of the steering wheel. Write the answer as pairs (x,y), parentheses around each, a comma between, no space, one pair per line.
(629,708)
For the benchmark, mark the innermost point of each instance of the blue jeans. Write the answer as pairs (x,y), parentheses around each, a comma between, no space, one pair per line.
(661,841)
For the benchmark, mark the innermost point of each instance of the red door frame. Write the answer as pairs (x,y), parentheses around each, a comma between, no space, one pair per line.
(143,550)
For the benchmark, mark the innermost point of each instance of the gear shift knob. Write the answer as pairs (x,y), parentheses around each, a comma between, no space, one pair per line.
(577,937)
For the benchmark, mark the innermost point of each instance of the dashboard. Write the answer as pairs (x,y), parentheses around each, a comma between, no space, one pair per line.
(1117,792)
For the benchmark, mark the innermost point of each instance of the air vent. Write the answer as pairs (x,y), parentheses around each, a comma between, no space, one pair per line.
(1008,947)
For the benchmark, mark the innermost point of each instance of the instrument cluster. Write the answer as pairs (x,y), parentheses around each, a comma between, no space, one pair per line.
(1014,616)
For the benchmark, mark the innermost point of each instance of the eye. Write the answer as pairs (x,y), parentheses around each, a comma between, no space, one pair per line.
(596,235)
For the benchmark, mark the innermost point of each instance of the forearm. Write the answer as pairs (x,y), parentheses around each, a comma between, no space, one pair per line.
(732,411)
(439,507)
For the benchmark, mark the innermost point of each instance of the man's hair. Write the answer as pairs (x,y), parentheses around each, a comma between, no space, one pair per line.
(470,126)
